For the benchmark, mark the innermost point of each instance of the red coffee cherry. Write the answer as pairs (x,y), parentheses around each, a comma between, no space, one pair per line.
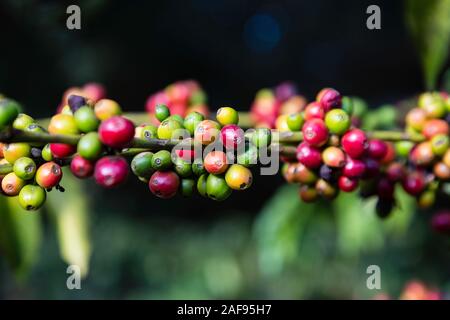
(314,110)
(333,157)
(435,126)
(61,150)
(309,156)
(372,168)
(385,188)
(414,183)
(395,172)
(422,154)
(355,143)
(416,118)
(216,162)
(347,184)
(377,149)
(49,175)
(111,171)
(441,171)
(329,99)
(164,184)
(81,168)
(390,153)
(315,132)
(441,222)
(232,136)
(116,132)
(354,168)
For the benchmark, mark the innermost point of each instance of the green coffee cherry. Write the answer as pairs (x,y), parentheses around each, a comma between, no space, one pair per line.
(22,121)
(46,153)
(337,121)
(90,147)
(440,144)
(176,117)
(162,112)
(187,187)
(262,137)
(347,105)
(198,168)
(359,107)
(227,115)
(141,165)
(149,132)
(25,168)
(201,185)
(9,110)
(217,188)
(192,120)
(34,127)
(167,128)
(403,148)
(161,160)
(183,168)
(86,119)
(32,197)
(295,121)
(249,157)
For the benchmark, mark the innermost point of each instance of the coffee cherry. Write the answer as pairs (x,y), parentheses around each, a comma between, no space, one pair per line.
(176,117)
(395,172)
(227,115)
(354,168)
(385,188)
(141,165)
(201,185)
(314,110)
(441,222)
(25,168)
(309,156)
(48,175)
(414,183)
(14,151)
(303,175)
(295,121)
(90,147)
(347,105)
(47,153)
(12,184)
(422,154)
(106,108)
(111,171)
(183,168)
(347,184)
(63,124)
(446,158)
(281,123)
(232,136)
(426,199)
(333,157)
(216,162)
(185,153)
(198,168)
(337,121)
(261,138)
(75,102)
(328,173)
(390,154)
(355,143)
(315,132)
(377,149)
(149,132)
(187,187)
(31,197)
(435,109)
(440,143)
(9,110)
(162,112)
(217,188)
(192,120)
(61,150)
(435,126)
(326,190)
(308,194)
(329,99)
(22,121)
(169,129)
(116,132)
(81,168)
(86,120)
(162,160)
(442,171)
(416,119)
(238,177)
(372,168)
(164,184)
(403,148)
(249,156)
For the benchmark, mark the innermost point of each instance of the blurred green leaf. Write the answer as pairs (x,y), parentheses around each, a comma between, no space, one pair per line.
(279,228)
(429,24)
(70,213)
(20,236)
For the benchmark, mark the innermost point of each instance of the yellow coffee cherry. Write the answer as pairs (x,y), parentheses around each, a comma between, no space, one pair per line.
(238,177)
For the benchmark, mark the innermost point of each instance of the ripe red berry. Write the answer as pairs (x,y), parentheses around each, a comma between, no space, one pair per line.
(329,99)
(111,171)
(441,222)
(61,150)
(422,154)
(216,162)
(116,132)
(314,110)
(414,183)
(385,188)
(164,184)
(377,149)
(435,126)
(390,154)
(48,175)
(347,184)
(355,143)
(309,156)
(354,168)
(232,136)
(333,157)
(395,172)
(315,132)
(81,168)
(372,168)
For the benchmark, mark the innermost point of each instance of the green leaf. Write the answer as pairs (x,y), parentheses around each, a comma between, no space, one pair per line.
(20,236)
(429,24)
(70,213)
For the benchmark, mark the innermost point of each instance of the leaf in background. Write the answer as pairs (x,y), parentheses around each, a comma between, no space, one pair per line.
(70,212)
(20,236)
(429,24)
(279,228)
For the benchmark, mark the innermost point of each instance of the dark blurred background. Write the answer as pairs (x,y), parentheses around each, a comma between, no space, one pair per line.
(148,248)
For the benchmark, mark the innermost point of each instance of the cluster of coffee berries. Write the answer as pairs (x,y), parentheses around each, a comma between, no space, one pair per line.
(415,290)
(271,105)
(26,169)
(93,92)
(181,97)
(202,161)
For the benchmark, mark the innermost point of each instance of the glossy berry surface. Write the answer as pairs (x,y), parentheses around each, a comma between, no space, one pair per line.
(217,188)
(162,112)
(337,121)
(238,177)
(377,149)
(333,157)
(81,168)
(49,175)
(227,115)
(216,162)
(116,132)
(207,132)
(111,171)
(61,150)
(315,132)
(25,168)
(232,136)
(32,197)
(355,143)
(310,156)
(164,184)
(90,147)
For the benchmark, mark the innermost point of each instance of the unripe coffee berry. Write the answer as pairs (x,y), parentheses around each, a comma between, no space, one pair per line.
(216,162)
(261,138)
(164,184)
(9,110)
(141,165)
(201,185)
(187,187)
(22,121)
(183,168)
(303,175)
(207,132)
(435,126)
(355,143)
(217,188)
(149,132)
(90,147)
(81,168)
(116,132)
(25,168)
(227,115)
(162,160)
(12,184)
(295,121)
(192,120)
(111,171)
(162,112)
(249,156)
(107,108)
(47,153)
(32,197)
(49,175)
(86,120)
(14,151)
(63,124)
(422,154)
(333,157)
(416,119)
(315,132)
(326,190)
(337,121)
(440,143)
(238,177)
